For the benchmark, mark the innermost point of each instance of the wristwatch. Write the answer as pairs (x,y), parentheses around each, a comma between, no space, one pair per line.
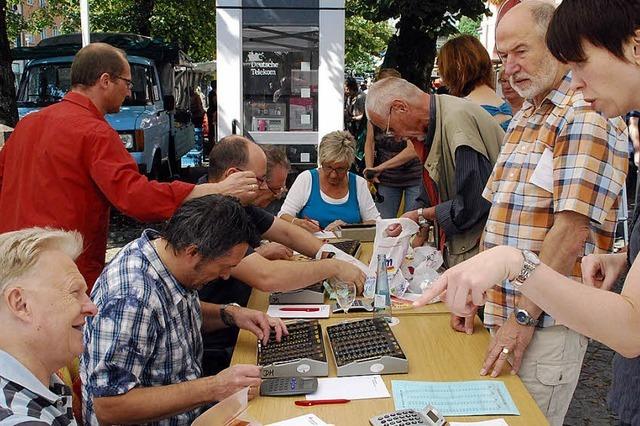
(226,317)
(530,264)
(523,318)
(421,219)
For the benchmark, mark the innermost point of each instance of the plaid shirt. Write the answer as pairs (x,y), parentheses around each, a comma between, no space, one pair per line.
(589,168)
(25,400)
(146,333)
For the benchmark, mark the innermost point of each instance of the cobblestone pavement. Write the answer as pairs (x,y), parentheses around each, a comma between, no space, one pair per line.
(589,404)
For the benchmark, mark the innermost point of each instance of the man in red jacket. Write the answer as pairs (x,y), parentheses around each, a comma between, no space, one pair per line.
(64,166)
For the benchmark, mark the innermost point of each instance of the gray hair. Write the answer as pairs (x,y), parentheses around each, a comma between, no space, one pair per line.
(20,250)
(276,156)
(541,12)
(382,93)
(337,147)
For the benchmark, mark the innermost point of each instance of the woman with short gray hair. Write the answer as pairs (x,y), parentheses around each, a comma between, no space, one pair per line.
(330,196)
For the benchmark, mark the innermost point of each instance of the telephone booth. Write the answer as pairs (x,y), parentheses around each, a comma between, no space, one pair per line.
(280,72)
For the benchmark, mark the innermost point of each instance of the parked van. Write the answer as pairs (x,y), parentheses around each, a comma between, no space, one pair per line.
(154,123)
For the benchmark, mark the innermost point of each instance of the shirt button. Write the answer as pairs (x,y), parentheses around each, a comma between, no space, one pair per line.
(512,174)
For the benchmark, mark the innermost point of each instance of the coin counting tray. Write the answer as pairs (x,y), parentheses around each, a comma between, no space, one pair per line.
(305,296)
(350,247)
(366,346)
(300,354)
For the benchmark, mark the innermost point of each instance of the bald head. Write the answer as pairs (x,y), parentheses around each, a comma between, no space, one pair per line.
(234,153)
(534,13)
(94,60)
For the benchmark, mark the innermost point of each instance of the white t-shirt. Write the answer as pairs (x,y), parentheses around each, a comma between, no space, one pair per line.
(301,191)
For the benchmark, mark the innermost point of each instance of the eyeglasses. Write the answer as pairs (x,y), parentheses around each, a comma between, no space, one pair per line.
(128,82)
(387,132)
(277,192)
(262,180)
(336,170)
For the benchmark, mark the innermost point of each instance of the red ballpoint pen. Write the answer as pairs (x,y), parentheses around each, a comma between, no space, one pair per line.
(300,309)
(309,403)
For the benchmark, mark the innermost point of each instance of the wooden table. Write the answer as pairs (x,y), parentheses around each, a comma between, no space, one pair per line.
(435,353)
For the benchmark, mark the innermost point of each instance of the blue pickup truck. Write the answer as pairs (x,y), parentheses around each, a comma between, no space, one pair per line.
(154,123)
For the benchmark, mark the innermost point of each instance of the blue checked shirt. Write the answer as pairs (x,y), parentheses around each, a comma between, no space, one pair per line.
(146,332)
(24,400)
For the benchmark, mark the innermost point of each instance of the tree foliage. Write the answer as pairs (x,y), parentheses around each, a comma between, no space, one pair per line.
(364,42)
(189,23)
(469,26)
(412,49)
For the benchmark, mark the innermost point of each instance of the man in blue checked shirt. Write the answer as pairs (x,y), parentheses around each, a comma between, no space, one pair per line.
(142,362)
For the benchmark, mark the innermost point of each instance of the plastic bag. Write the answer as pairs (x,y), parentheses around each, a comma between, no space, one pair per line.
(395,248)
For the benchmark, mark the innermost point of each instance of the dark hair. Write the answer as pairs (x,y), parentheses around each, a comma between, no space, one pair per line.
(94,60)
(275,157)
(231,151)
(351,84)
(464,64)
(604,23)
(213,223)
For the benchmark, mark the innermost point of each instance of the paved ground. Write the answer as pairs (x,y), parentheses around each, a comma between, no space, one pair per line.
(588,407)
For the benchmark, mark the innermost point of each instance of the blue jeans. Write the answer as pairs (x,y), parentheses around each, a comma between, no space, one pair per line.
(393,195)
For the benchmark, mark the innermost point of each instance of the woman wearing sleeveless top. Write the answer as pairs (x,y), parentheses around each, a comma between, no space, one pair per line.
(330,196)
(466,70)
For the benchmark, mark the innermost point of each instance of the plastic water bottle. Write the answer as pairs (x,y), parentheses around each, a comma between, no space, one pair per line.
(382,297)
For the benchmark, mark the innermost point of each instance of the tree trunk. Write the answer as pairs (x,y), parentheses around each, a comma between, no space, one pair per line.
(8,106)
(142,12)
(412,52)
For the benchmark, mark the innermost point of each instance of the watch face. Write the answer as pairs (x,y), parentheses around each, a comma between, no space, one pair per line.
(522,317)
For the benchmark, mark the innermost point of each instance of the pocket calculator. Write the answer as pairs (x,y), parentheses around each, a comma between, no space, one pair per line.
(427,417)
(286,386)
(359,305)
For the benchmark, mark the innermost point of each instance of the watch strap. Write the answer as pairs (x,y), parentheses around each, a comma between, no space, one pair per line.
(227,318)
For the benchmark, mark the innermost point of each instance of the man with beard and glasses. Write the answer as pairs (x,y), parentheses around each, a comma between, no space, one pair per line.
(554,192)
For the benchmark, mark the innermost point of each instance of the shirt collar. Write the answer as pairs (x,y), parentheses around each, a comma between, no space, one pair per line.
(176,290)
(559,96)
(12,370)
(84,102)
(431,127)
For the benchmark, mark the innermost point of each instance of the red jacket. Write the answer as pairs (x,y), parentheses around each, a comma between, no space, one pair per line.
(64,166)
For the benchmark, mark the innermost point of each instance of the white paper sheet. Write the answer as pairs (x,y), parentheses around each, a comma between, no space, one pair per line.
(305,119)
(305,66)
(492,422)
(305,157)
(306,420)
(276,311)
(324,235)
(543,174)
(305,92)
(358,387)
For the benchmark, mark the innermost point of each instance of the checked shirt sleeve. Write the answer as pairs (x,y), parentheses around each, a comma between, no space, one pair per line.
(120,340)
(590,165)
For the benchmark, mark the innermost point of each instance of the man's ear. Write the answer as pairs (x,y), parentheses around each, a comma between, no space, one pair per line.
(399,105)
(104,80)
(191,250)
(229,172)
(16,301)
(635,40)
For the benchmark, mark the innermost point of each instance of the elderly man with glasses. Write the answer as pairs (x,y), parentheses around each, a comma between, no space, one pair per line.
(458,142)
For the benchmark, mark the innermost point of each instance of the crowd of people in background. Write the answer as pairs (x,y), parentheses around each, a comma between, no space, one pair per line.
(519,170)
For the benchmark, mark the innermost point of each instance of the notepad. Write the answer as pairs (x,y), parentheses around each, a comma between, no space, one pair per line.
(356,387)
(472,398)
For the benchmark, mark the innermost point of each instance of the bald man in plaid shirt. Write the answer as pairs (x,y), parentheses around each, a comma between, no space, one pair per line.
(554,191)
